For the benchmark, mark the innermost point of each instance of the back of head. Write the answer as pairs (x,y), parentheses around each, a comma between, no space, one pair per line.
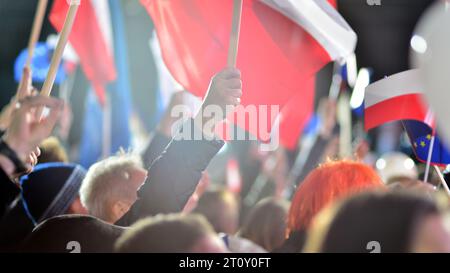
(108,181)
(50,189)
(52,151)
(388,220)
(73,233)
(220,208)
(174,233)
(266,223)
(328,183)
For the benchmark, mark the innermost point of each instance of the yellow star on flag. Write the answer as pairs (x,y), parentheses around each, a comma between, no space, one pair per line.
(422,143)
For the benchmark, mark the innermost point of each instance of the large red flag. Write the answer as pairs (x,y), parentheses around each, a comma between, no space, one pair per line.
(89,42)
(277,56)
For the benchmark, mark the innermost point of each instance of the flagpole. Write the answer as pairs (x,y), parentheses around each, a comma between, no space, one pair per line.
(442,179)
(36,29)
(430,154)
(57,55)
(235,31)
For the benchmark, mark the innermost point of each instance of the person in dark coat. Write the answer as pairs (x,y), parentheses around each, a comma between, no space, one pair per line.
(174,175)
(72,234)
(18,146)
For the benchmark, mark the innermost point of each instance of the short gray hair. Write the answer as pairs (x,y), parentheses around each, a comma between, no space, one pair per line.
(105,179)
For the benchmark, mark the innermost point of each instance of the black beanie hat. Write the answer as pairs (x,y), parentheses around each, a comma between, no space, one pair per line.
(50,189)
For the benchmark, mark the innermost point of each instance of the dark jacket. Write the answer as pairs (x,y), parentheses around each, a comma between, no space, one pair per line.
(9,192)
(173,177)
(154,149)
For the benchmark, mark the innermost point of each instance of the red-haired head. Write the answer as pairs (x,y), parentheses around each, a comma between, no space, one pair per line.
(326,184)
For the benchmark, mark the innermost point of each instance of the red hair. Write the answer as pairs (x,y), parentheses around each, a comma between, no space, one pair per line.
(326,184)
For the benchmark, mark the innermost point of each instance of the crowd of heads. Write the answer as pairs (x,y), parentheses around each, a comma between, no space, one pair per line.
(341,205)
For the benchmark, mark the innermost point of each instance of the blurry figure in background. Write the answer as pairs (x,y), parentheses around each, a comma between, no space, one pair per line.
(72,234)
(396,167)
(52,151)
(326,184)
(399,172)
(266,223)
(110,186)
(221,209)
(173,233)
(199,191)
(381,222)
(237,244)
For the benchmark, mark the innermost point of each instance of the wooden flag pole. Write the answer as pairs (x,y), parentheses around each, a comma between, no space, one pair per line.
(235,31)
(62,42)
(441,178)
(36,29)
(57,55)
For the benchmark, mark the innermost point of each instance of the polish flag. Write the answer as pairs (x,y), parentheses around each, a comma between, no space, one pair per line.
(283,43)
(398,97)
(91,38)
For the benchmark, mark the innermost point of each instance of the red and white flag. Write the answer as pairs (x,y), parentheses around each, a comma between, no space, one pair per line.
(281,48)
(398,97)
(91,38)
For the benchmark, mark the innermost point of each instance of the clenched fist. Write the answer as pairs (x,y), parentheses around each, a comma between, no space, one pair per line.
(224,94)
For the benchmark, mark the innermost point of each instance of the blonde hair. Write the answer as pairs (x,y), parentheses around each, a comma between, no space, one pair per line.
(108,179)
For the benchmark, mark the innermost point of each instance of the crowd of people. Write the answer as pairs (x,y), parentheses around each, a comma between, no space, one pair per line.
(164,201)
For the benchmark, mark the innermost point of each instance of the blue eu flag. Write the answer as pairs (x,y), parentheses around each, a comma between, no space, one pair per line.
(420,135)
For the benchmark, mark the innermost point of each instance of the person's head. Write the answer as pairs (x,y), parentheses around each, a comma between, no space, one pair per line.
(72,233)
(266,223)
(52,151)
(52,190)
(221,209)
(328,183)
(110,186)
(388,222)
(396,167)
(175,233)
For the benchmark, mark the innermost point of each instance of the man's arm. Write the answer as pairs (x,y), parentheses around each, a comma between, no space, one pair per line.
(174,176)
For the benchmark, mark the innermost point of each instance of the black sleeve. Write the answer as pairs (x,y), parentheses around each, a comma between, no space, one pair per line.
(8,193)
(154,149)
(173,177)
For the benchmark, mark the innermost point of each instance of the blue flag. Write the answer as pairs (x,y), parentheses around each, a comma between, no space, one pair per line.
(119,93)
(420,135)
(40,64)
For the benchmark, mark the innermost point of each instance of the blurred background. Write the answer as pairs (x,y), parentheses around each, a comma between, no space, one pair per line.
(384,32)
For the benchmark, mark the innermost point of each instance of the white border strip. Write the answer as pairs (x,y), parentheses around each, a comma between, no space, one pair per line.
(404,83)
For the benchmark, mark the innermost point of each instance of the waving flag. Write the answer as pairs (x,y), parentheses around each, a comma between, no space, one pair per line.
(280,47)
(294,119)
(91,39)
(420,135)
(120,102)
(398,97)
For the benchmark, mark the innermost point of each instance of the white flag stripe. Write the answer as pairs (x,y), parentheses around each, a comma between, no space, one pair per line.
(101,8)
(323,22)
(404,83)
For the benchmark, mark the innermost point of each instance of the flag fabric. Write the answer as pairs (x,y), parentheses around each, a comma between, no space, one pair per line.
(90,150)
(293,120)
(420,135)
(89,38)
(398,97)
(39,64)
(276,55)
(119,100)
(120,90)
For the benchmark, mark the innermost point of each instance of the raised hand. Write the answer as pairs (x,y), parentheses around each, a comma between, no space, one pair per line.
(26,132)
